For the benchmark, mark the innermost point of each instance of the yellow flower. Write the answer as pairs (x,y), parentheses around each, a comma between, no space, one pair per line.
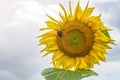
(78,40)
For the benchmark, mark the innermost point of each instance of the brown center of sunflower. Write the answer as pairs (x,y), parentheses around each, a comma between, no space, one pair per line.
(76,39)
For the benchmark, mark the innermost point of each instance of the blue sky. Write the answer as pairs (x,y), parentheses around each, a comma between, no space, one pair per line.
(20,21)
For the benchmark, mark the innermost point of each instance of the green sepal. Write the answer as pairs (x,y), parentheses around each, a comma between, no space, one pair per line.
(62,74)
(106,33)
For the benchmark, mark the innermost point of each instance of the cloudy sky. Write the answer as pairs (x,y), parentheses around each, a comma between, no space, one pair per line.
(19,24)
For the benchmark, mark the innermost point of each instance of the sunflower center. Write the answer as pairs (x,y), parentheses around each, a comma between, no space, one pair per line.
(75,37)
(76,40)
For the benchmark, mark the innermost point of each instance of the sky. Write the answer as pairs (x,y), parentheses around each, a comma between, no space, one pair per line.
(20,21)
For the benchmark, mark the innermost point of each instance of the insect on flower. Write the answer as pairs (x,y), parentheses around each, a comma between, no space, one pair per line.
(59,33)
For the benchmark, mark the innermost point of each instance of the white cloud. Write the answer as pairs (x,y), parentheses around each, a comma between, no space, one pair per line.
(19,55)
(29,11)
(19,58)
(5,75)
(107,71)
(103,1)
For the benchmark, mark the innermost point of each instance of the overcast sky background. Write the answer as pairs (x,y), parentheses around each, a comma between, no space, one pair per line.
(20,21)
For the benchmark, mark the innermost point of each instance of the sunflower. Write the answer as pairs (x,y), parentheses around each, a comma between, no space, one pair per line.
(77,40)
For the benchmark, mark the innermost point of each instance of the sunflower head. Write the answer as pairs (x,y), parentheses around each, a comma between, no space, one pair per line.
(78,40)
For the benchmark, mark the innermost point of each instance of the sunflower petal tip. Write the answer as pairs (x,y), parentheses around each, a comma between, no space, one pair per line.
(100,15)
(37,36)
(41,29)
(44,55)
(41,51)
(88,2)
(46,14)
(69,1)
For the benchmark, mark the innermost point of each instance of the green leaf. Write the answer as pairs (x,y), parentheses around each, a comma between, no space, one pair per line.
(61,74)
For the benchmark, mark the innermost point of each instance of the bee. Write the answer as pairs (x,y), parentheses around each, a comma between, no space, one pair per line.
(59,33)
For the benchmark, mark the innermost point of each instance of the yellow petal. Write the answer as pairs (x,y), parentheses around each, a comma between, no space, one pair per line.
(53,25)
(47,39)
(86,6)
(99,36)
(87,13)
(97,48)
(95,18)
(65,13)
(93,54)
(41,29)
(103,46)
(69,64)
(83,64)
(77,10)
(52,18)
(82,14)
(58,64)
(93,59)
(57,56)
(54,48)
(50,33)
(77,63)
(94,21)
(61,60)
(101,56)
(70,9)
(48,43)
(88,62)
(63,18)
(48,52)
